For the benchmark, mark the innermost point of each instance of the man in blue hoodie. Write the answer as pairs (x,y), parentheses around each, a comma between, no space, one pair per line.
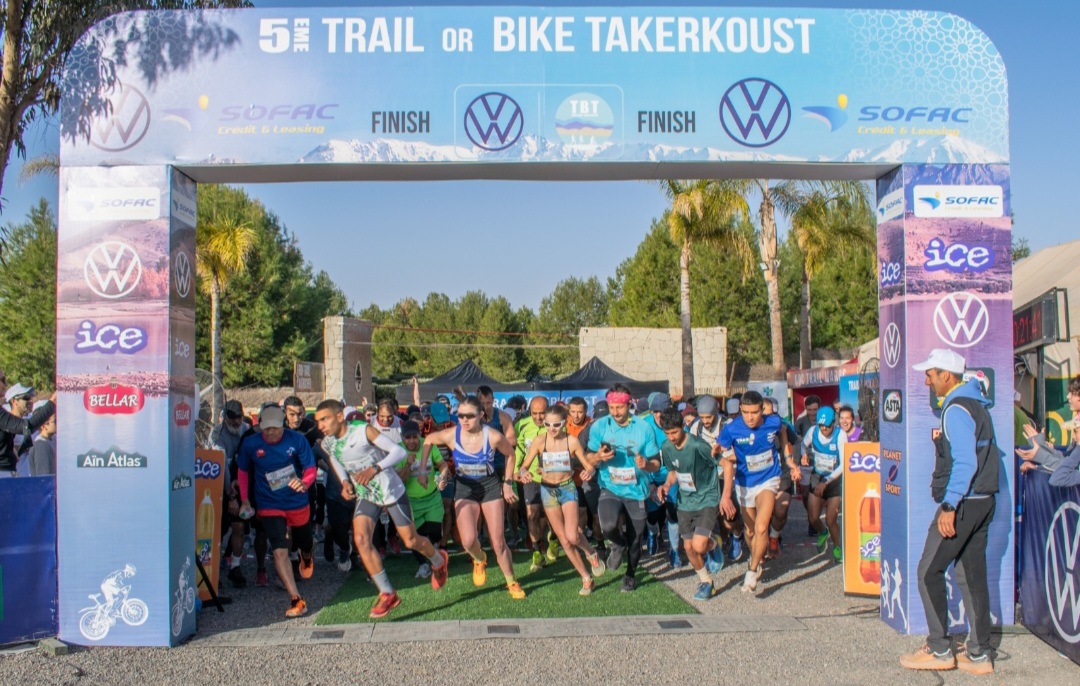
(964,482)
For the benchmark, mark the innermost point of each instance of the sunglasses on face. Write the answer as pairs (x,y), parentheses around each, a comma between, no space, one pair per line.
(467,415)
(554,425)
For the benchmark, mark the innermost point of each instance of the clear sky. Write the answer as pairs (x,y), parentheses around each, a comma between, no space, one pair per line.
(384,241)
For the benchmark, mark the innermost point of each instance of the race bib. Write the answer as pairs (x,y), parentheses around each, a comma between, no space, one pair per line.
(623,476)
(556,462)
(824,464)
(472,471)
(686,482)
(759,462)
(280,478)
(356,465)
(419,468)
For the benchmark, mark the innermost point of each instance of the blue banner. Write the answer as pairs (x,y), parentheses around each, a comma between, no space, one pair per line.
(28,607)
(1050,587)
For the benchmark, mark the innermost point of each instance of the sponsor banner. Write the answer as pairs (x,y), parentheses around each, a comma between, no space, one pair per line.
(959,201)
(773,389)
(209,485)
(114,204)
(864,572)
(506,85)
(27,559)
(1050,587)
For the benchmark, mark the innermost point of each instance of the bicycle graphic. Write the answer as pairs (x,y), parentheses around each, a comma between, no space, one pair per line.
(185,598)
(95,622)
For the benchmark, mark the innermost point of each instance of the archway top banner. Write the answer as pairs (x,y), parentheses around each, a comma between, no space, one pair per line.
(513,86)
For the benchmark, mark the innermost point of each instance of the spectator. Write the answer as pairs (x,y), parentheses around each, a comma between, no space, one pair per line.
(42,456)
(13,424)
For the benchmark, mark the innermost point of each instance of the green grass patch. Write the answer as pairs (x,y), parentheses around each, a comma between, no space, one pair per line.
(552,592)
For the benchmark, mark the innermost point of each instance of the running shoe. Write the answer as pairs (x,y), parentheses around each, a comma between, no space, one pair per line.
(260,578)
(822,541)
(673,557)
(479,572)
(614,560)
(774,547)
(980,665)
(629,584)
(236,576)
(383,605)
(837,554)
(925,658)
(705,591)
(539,561)
(424,571)
(344,561)
(440,574)
(306,565)
(319,535)
(516,592)
(297,608)
(736,548)
(650,543)
(750,581)
(597,564)
(587,586)
(553,550)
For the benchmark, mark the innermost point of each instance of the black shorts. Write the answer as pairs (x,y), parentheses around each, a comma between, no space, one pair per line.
(531,493)
(482,490)
(276,530)
(697,522)
(835,489)
(785,481)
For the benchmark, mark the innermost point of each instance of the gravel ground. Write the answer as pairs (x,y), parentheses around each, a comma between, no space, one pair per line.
(845,644)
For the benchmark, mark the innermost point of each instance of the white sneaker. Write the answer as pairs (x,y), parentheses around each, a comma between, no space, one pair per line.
(750,581)
(424,572)
(344,560)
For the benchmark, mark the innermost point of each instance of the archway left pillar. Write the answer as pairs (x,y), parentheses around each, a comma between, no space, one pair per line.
(125,337)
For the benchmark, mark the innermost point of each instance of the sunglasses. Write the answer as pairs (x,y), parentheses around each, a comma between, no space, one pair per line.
(467,415)
(554,425)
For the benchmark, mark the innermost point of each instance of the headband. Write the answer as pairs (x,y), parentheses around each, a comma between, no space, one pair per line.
(618,398)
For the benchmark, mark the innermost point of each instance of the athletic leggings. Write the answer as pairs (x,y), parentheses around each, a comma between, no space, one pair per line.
(433,531)
(609,509)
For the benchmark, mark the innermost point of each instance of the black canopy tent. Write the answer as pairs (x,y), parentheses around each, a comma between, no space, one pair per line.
(467,375)
(595,375)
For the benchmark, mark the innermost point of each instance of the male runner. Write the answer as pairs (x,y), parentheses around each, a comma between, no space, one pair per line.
(783,501)
(823,450)
(708,427)
(528,428)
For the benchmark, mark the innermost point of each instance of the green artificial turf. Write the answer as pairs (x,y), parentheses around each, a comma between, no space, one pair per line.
(552,592)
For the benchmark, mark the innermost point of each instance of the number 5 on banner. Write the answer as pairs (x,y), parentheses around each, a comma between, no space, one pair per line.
(274,35)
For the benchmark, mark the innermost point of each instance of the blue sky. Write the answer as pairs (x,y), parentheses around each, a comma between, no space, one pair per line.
(457,236)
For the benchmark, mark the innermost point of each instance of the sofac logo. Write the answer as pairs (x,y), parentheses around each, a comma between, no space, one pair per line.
(1062,573)
(959,201)
(494,121)
(891,206)
(961,319)
(755,113)
(124,124)
(957,257)
(833,117)
(112,269)
(138,203)
(113,398)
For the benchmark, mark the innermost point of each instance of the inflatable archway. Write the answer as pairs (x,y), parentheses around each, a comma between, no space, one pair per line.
(154,103)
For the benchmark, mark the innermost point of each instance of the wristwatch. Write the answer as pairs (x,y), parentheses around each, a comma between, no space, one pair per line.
(946,507)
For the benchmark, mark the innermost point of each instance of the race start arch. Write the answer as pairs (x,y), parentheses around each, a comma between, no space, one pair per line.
(155,102)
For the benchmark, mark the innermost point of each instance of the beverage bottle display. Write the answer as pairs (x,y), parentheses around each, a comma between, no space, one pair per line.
(870,536)
(204,528)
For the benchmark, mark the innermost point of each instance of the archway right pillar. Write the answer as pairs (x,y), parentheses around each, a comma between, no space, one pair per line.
(945,281)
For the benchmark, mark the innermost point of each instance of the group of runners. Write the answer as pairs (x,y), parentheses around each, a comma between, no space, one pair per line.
(719,483)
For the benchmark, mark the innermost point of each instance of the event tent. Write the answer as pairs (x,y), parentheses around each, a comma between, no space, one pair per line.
(595,375)
(467,375)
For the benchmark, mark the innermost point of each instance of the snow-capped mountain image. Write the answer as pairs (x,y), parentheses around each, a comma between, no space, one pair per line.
(937,150)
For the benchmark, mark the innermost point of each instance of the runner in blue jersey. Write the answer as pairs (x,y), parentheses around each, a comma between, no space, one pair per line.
(752,444)
(623,448)
(824,450)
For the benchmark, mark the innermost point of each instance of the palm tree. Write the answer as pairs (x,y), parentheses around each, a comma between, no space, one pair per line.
(702,212)
(222,245)
(832,219)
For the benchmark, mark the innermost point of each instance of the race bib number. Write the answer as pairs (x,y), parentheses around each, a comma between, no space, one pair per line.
(759,462)
(623,476)
(357,465)
(824,464)
(473,471)
(686,483)
(556,462)
(280,478)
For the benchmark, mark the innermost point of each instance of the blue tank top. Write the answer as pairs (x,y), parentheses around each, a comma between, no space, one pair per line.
(499,461)
(826,452)
(756,456)
(473,465)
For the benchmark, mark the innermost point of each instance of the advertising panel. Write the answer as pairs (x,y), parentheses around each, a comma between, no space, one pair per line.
(27,559)
(209,482)
(864,572)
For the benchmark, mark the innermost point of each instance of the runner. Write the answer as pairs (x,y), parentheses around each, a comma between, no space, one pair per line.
(803,424)
(751,445)
(668,511)
(422,488)
(363,460)
(528,428)
(846,417)
(577,423)
(824,446)
(691,465)
(279,465)
(504,423)
(477,488)
(708,427)
(559,493)
(590,483)
(787,487)
(624,450)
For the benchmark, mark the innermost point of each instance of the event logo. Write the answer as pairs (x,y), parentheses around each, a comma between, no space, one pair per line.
(961,319)
(182,414)
(745,108)
(206,469)
(584,119)
(137,203)
(833,117)
(868,463)
(891,345)
(181,349)
(117,604)
(891,206)
(957,258)
(109,339)
(183,208)
(181,481)
(192,118)
(891,487)
(112,269)
(124,123)
(892,405)
(113,398)
(950,202)
(1062,573)
(494,121)
(113,458)
(919,113)
(891,273)
(892,455)
(182,273)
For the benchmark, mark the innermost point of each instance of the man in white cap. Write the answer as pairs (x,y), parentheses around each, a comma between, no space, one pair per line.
(13,424)
(964,482)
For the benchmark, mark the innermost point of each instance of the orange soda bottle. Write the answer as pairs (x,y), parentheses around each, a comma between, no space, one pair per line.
(870,536)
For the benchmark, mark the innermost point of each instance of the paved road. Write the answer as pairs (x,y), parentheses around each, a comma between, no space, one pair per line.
(843,642)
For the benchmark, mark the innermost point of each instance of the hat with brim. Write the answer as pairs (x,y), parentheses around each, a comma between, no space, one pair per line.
(272,417)
(943,359)
(18,390)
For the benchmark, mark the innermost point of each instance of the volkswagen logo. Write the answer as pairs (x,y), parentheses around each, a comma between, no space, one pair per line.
(112,269)
(1062,574)
(125,124)
(182,273)
(891,345)
(755,113)
(494,121)
(961,319)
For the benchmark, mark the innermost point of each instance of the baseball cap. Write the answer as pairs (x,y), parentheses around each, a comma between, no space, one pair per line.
(409,429)
(234,409)
(658,402)
(18,390)
(271,417)
(826,416)
(943,359)
(600,409)
(707,404)
(439,413)
(732,406)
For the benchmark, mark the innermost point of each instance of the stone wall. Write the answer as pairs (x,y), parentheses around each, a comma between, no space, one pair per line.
(347,356)
(656,355)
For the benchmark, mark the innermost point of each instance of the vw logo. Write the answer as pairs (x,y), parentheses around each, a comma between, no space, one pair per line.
(891,345)
(494,121)
(112,269)
(755,113)
(182,272)
(125,124)
(1061,574)
(961,319)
